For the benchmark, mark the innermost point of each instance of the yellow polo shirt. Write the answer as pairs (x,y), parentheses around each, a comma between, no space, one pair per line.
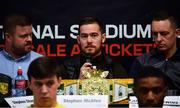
(57,106)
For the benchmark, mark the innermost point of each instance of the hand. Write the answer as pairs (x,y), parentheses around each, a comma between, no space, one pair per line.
(85,67)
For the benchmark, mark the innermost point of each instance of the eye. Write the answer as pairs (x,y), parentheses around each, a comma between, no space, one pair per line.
(164,34)
(157,90)
(143,90)
(25,35)
(94,35)
(50,83)
(83,35)
(38,84)
(31,35)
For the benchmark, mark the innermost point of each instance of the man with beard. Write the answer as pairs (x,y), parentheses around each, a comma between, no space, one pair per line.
(150,87)
(18,46)
(166,56)
(91,39)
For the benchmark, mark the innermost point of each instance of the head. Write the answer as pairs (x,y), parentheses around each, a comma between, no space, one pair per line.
(44,79)
(164,31)
(150,87)
(18,35)
(91,36)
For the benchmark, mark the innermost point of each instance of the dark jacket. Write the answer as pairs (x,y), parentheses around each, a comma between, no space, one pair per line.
(71,67)
(170,67)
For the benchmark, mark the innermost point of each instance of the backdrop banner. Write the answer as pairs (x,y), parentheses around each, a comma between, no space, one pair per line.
(55,25)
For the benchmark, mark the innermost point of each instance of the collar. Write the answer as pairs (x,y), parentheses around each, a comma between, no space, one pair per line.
(57,106)
(99,58)
(155,52)
(9,57)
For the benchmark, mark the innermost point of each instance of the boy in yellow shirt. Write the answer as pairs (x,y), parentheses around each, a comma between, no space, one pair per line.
(44,78)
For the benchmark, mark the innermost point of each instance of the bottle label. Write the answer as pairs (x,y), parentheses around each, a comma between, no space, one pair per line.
(20,83)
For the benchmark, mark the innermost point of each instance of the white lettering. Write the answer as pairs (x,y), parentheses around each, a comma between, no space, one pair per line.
(47,32)
(56,33)
(120,31)
(37,32)
(114,29)
(126,32)
(72,100)
(146,32)
(74,29)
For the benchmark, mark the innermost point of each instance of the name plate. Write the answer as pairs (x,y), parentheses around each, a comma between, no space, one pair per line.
(84,101)
(69,101)
(20,102)
(169,102)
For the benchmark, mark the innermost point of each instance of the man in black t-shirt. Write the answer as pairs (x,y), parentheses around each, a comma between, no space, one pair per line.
(91,39)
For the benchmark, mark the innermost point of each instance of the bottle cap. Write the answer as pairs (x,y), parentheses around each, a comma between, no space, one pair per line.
(19,72)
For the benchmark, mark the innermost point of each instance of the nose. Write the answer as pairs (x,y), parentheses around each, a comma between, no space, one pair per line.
(44,89)
(150,97)
(29,38)
(158,38)
(89,39)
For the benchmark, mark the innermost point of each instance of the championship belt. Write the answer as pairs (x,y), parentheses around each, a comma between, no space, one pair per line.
(95,83)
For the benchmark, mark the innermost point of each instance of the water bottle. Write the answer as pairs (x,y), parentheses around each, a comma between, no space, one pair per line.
(20,83)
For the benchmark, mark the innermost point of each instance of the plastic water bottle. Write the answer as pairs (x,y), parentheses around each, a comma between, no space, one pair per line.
(20,83)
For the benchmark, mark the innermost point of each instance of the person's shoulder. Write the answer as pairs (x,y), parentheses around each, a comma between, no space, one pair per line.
(4,55)
(72,60)
(109,59)
(35,54)
(113,62)
(147,55)
(116,65)
(1,53)
(58,105)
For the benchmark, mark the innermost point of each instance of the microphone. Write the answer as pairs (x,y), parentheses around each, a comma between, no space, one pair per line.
(88,59)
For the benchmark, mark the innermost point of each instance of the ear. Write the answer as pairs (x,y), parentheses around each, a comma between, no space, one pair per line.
(103,37)
(178,32)
(8,36)
(29,84)
(78,39)
(59,80)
